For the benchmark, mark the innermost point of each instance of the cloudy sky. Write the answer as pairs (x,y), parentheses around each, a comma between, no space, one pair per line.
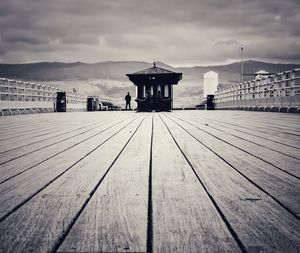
(177,32)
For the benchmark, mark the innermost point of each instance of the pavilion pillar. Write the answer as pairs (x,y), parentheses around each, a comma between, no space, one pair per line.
(136,92)
(166,91)
(171,96)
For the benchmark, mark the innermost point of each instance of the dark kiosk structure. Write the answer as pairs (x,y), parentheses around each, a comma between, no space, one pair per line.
(210,105)
(154,88)
(61,101)
(93,103)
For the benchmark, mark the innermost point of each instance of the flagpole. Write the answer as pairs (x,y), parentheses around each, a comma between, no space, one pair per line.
(242,64)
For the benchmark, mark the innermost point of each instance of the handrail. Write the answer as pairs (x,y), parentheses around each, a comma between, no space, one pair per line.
(285,84)
(15,90)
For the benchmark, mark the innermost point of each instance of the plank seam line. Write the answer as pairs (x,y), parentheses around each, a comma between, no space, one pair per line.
(266,122)
(48,138)
(91,194)
(22,134)
(26,131)
(56,177)
(222,215)
(74,145)
(265,138)
(258,130)
(47,146)
(275,129)
(242,174)
(42,131)
(281,127)
(255,143)
(150,203)
(275,166)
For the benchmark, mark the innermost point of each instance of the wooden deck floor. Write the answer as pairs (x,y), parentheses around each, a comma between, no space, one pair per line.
(186,181)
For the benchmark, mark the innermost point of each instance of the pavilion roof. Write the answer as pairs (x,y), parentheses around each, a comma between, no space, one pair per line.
(155,75)
(153,71)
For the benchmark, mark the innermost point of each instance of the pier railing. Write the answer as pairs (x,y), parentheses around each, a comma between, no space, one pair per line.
(20,97)
(275,92)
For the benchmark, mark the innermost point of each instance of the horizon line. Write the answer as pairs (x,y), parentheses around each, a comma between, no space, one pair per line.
(159,62)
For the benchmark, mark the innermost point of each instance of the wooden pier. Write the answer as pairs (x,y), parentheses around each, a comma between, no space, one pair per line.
(185,181)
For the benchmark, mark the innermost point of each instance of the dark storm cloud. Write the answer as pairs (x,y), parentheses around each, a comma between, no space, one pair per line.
(21,39)
(180,32)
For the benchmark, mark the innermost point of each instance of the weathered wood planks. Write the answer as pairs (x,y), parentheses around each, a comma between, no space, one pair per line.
(279,160)
(56,205)
(116,217)
(184,218)
(186,181)
(243,204)
(41,175)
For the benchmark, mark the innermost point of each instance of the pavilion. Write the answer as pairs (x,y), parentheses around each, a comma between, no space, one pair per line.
(154,88)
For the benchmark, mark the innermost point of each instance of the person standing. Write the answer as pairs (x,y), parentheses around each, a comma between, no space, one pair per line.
(128,99)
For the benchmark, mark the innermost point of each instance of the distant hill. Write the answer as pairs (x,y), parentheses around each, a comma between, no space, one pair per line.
(254,66)
(55,71)
(109,78)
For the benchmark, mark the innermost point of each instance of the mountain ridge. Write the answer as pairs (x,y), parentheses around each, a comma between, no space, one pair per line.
(109,78)
(43,71)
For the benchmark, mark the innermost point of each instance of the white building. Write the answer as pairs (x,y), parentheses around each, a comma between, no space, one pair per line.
(260,74)
(211,80)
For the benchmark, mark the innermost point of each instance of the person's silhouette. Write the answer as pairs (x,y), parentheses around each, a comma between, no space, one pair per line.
(128,99)
(148,96)
(158,96)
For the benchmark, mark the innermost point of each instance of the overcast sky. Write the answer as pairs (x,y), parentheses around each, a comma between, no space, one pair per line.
(177,32)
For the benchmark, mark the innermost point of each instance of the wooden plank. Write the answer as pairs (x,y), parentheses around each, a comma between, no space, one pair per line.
(24,123)
(275,146)
(295,142)
(260,223)
(18,189)
(280,161)
(116,216)
(278,124)
(32,124)
(13,168)
(40,128)
(281,186)
(247,120)
(40,224)
(184,218)
(64,129)
(22,135)
(22,141)
(266,117)
(37,146)
(250,119)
